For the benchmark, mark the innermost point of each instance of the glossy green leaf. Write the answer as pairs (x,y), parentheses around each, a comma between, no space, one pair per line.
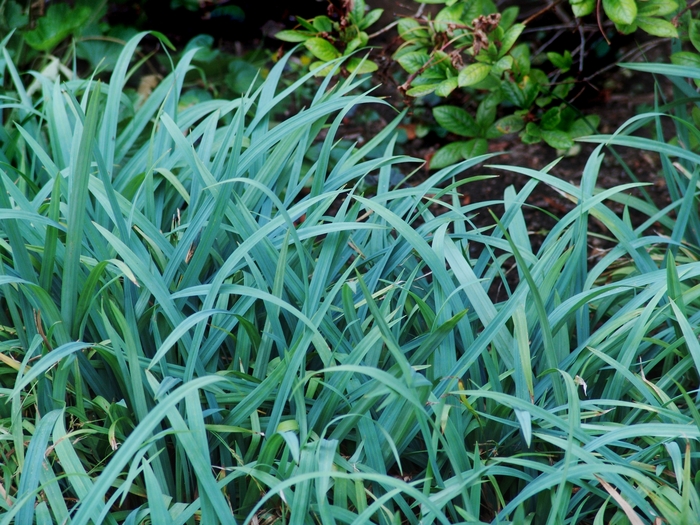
(458,151)
(447,155)
(551,118)
(322,24)
(371,18)
(503,64)
(410,29)
(322,49)
(583,7)
(456,120)
(294,35)
(562,62)
(510,124)
(510,38)
(686,58)
(357,9)
(522,94)
(657,7)
(584,126)
(59,22)
(621,12)
(360,66)
(413,61)
(694,33)
(446,87)
(422,90)
(557,139)
(473,74)
(657,27)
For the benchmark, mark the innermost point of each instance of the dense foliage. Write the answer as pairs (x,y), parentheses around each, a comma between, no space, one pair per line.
(209,313)
(476,51)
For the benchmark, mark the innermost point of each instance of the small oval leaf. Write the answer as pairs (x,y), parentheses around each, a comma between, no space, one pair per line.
(509,38)
(322,49)
(446,87)
(292,35)
(422,90)
(557,139)
(413,61)
(455,120)
(447,155)
(510,124)
(694,33)
(657,27)
(473,74)
(622,12)
(359,66)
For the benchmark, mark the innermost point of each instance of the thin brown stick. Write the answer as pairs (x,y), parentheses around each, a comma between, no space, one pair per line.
(383,30)
(541,11)
(675,19)
(582,47)
(418,14)
(600,23)
(637,52)
(40,329)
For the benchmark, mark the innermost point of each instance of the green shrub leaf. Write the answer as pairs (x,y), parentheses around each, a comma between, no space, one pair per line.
(562,62)
(521,55)
(510,124)
(354,44)
(452,14)
(322,49)
(657,7)
(473,74)
(413,61)
(59,22)
(694,33)
(456,120)
(522,94)
(657,27)
(562,90)
(551,118)
(686,58)
(357,9)
(510,38)
(508,17)
(447,155)
(371,18)
(557,139)
(584,126)
(359,66)
(320,69)
(487,109)
(410,29)
(474,148)
(583,7)
(457,152)
(322,24)
(504,64)
(622,12)
(422,90)
(447,86)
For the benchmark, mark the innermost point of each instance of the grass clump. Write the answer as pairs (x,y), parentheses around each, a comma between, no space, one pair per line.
(201,325)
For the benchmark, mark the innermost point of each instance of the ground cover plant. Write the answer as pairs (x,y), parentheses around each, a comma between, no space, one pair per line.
(200,324)
(501,67)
